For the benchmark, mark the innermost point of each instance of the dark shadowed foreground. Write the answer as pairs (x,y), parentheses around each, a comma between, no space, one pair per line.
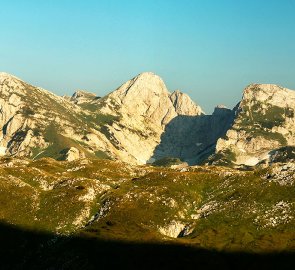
(21,249)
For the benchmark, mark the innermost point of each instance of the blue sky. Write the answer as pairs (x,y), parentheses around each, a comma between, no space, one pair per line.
(210,49)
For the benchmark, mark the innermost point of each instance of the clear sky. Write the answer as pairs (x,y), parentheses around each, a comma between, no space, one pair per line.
(210,49)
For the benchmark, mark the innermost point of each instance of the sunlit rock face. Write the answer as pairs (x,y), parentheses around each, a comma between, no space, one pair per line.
(145,108)
(127,124)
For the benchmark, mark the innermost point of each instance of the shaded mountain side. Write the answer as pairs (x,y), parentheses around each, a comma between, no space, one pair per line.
(214,208)
(193,138)
(25,249)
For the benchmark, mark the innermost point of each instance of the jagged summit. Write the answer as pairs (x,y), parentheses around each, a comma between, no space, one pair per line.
(221,106)
(148,75)
(184,105)
(149,88)
(143,85)
(145,107)
(147,95)
(254,90)
(82,93)
(5,74)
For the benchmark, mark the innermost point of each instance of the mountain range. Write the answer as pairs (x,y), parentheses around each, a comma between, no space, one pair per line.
(143,178)
(142,122)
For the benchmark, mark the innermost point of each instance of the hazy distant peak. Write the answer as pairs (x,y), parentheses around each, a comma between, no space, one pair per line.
(83,93)
(82,96)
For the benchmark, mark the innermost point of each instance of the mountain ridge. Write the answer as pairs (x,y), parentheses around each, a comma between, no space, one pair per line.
(98,118)
(142,121)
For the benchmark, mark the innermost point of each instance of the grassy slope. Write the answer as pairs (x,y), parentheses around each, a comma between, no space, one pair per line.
(236,209)
(257,121)
(238,200)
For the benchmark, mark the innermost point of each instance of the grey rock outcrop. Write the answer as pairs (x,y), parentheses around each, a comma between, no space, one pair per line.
(73,154)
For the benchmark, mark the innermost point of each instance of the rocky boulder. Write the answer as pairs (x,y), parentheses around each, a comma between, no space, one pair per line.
(72,154)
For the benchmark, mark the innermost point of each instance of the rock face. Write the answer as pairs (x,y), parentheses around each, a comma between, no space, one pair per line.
(144,108)
(36,123)
(264,121)
(173,229)
(184,105)
(73,154)
(16,134)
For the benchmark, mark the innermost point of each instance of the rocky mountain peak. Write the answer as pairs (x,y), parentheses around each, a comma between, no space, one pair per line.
(82,93)
(147,75)
(263,122)
(145,107)
(11,88)
(184,105)
(147,92)
(144,86)
(144,95)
